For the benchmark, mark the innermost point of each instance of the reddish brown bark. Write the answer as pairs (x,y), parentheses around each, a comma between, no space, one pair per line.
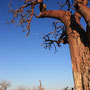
(77,38)
(79,42)
(80,55)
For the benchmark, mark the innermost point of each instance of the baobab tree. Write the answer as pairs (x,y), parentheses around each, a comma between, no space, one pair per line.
(71,32)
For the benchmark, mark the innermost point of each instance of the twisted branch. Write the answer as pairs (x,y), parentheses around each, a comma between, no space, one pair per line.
(25,16)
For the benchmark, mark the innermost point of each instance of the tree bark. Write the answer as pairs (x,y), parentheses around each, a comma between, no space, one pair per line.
(80,53)
(80,56)
(78,44)
(78,39)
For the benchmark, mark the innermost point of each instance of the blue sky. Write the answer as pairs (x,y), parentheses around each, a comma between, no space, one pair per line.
(23,61)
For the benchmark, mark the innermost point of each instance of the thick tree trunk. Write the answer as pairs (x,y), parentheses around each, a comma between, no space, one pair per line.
(78,39)
(80,56)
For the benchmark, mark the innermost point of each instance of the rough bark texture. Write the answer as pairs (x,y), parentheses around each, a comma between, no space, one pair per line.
(79,43)
(77,38)
(80,54)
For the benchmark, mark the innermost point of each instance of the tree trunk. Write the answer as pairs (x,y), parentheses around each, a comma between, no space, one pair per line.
(77,38)
(80,56)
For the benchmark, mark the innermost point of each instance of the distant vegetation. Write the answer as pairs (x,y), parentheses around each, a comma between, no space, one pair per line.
(4,85)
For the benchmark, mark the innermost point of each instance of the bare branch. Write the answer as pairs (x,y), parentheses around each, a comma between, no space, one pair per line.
(60,37)
(66,3)
(25,16)
(56,14)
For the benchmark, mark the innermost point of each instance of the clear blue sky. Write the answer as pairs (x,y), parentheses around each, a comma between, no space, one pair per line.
(23,61)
